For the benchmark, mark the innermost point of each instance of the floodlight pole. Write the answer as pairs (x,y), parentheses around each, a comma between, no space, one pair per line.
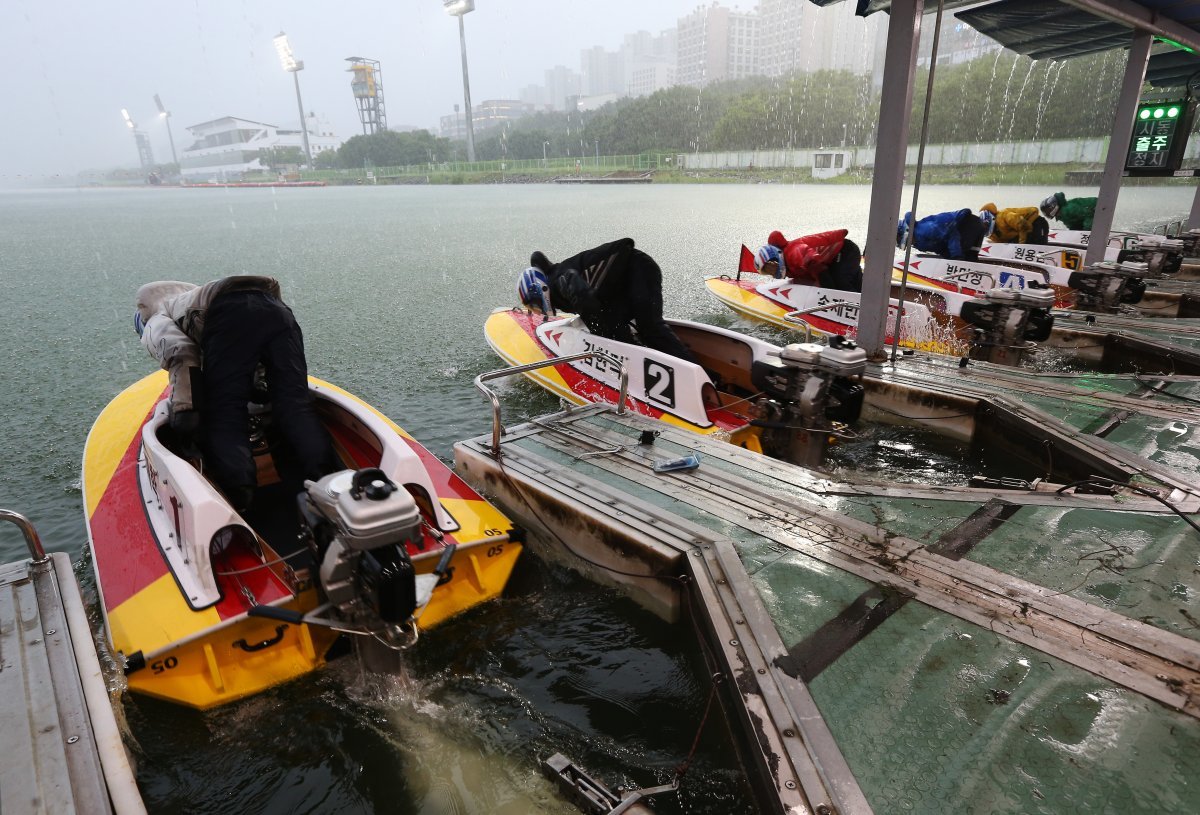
(300,106)
(458,8)
(166,116)
(462,39)
(294,66)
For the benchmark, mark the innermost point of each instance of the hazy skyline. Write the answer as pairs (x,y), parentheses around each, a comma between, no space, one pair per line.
(72,66)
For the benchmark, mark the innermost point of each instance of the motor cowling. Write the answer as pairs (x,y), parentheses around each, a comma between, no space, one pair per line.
(806,391)
(1162,255)
(1006,318)
(362,523)
(1105,286)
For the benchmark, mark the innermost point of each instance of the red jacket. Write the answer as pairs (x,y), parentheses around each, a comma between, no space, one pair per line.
(805,258)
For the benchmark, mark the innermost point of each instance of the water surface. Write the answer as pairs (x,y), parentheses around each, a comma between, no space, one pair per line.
(391,286)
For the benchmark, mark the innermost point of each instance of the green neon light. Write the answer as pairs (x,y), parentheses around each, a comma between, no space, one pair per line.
(1178,45)
(1158,113)
(1172,113)
(1145,114)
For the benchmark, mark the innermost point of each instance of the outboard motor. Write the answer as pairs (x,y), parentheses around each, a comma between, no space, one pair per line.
(1005,320)
(807,393)
(1162,256)
(1105,286)
(1189,243)
(361,523)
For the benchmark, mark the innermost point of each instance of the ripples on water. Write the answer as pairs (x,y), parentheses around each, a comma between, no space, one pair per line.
(391,286)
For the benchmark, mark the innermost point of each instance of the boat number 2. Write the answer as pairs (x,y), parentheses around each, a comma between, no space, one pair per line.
(158,666)
(660,383)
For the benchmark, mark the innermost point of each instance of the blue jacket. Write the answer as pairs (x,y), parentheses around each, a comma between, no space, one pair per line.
(939,234)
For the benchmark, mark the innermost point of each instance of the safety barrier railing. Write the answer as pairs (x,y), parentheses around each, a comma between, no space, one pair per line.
(36,550)
(498,428)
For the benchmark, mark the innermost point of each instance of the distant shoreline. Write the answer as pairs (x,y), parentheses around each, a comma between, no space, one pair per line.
(1037,175)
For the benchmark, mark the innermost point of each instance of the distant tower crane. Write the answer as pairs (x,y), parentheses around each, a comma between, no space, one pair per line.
(145,153)
(367,85)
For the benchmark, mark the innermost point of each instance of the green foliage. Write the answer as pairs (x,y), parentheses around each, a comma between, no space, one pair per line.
(1007,97)
(275,158)
(805,110)
(391,149)
(998,97)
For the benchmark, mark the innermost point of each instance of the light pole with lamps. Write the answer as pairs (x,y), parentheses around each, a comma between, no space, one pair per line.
(457,8)
(294,66)
(145,154)
(545,144)
(165,115)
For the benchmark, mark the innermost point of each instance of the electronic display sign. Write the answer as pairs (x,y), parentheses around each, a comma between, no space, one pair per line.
(1160,133)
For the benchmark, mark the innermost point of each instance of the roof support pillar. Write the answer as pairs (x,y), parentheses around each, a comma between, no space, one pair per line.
(1118,144)
(887,184)
(1193,221)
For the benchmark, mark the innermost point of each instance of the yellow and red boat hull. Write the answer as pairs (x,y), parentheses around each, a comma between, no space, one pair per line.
(214,655)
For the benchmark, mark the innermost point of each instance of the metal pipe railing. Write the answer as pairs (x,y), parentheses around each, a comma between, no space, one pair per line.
(794,316)
(498,428)
(36,550)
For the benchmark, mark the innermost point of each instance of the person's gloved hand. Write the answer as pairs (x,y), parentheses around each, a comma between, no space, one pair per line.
(185,426)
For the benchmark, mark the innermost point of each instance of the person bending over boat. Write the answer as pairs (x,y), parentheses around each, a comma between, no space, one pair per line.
(826,259)
(1017,224)
(211,339)
(615,288)
(1076,213)
(956,235)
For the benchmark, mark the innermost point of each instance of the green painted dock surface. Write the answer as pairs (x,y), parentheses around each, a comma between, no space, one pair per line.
(886,644)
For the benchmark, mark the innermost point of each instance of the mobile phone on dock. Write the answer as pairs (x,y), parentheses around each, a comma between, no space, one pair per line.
(688,462)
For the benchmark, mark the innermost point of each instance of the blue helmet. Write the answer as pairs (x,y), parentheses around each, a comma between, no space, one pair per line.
(989,221)
(769,254)
(534,290)
(902,229)
(138,323)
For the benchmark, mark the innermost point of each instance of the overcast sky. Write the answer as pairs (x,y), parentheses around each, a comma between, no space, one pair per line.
(69,66)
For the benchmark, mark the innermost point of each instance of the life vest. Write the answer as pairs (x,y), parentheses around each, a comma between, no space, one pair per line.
(805,258)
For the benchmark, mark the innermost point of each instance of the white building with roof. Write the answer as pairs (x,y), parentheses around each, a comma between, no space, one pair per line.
(229,148)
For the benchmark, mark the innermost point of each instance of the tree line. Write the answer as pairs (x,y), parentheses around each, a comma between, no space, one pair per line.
(998,97)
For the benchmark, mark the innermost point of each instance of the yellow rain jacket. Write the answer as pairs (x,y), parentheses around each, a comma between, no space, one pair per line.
(1013,224)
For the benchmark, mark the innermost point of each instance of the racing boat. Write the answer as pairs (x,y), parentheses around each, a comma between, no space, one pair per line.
(205,605)
(786,402)
(993,324)
(1107,287)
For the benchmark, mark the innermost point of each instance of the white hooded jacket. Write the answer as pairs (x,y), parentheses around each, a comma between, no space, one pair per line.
(173,313)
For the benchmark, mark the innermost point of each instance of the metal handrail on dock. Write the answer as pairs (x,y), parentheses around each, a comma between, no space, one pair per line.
(498,428)
(36,550)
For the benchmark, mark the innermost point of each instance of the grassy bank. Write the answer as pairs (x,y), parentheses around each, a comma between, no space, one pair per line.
(1006,175)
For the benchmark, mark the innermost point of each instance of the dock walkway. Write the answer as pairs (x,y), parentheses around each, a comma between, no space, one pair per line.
(62,748)
(885,646)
